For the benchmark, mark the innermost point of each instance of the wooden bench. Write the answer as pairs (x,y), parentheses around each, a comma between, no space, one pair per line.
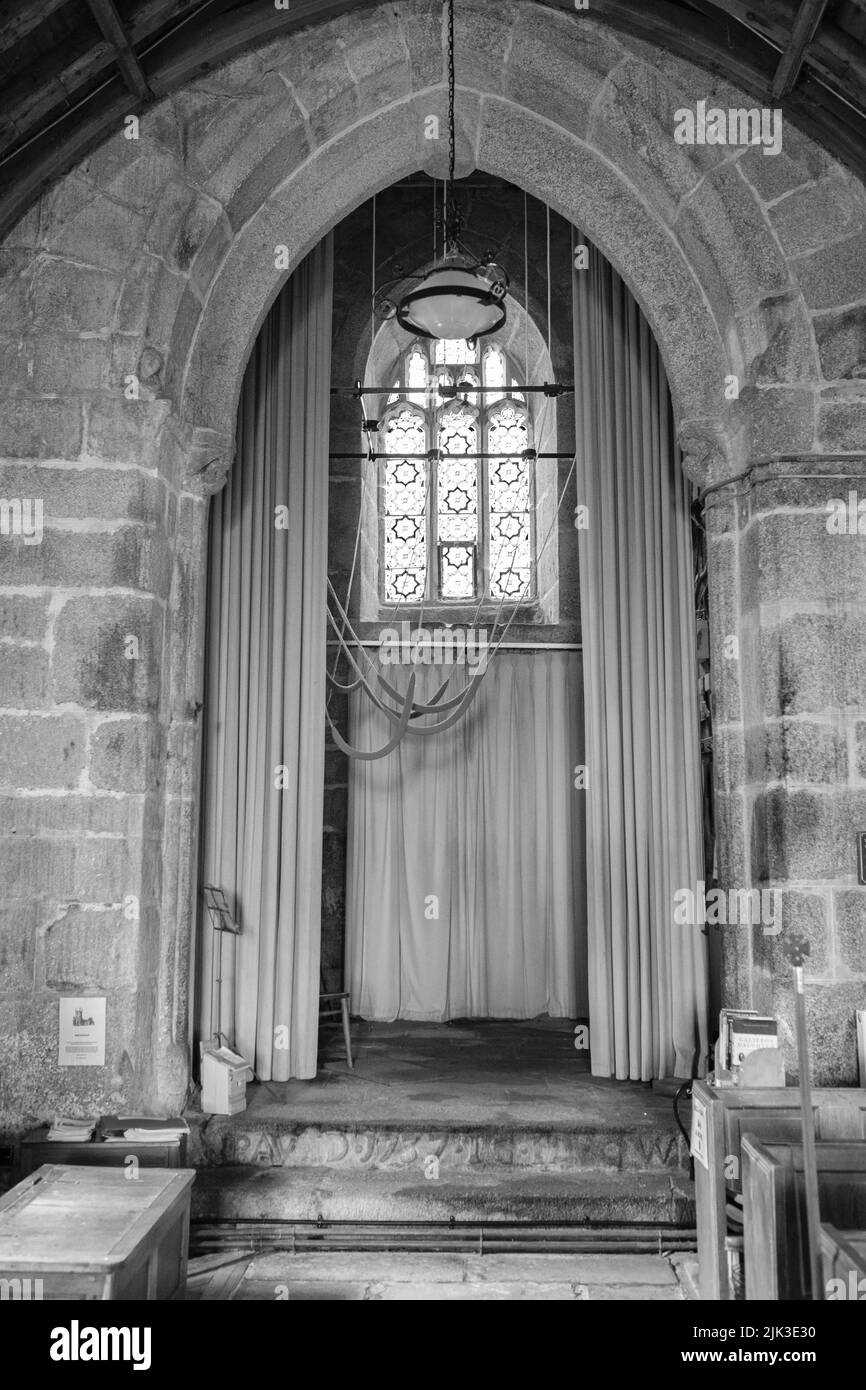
(774,1210)
(84,1233)
(724,1117)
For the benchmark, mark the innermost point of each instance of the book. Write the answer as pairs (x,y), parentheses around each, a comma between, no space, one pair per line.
(144,1136)
(726,1018)
(751,1034)
(141,1129)
(70,1131)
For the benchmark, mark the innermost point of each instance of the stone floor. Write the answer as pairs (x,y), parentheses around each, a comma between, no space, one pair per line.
(446,1278)
(506,1072)
(471,1121)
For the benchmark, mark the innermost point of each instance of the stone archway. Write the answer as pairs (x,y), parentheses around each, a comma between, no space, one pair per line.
(509,142)
(156,265)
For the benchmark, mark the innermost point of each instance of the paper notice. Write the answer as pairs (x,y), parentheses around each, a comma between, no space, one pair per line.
(82,1032)
(699,1132)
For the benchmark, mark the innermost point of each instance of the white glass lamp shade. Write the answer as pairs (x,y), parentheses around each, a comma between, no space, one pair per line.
(452,302)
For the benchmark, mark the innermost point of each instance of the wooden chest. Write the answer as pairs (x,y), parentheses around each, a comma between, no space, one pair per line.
(81,1232)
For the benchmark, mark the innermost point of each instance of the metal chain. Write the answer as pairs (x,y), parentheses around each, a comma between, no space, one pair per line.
(450,227)
(451,157)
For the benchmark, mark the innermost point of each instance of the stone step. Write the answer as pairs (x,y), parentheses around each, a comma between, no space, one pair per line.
(309,1193)
(269,1142)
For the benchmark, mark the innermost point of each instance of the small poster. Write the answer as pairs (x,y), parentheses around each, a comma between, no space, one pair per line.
(82,1032)
(699,1131)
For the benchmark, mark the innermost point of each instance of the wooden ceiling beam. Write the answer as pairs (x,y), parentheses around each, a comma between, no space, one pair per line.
(39,96)
(113,32)
(149,16)
(809,16)
(18,20)
(729,44)
(834,57)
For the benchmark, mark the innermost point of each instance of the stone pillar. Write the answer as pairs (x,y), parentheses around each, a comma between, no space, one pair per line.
(198,459)
(82,615)
(101,646)
(788,619)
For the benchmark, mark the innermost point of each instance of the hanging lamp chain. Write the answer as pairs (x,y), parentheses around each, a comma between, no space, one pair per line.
(452,219)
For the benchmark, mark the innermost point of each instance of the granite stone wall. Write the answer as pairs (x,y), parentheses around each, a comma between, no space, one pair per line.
(130,295)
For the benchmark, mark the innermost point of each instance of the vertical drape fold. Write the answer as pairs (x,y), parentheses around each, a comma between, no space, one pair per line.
(647,975)
(263,776)
(465,894)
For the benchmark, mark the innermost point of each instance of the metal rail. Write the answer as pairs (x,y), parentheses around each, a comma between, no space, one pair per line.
(455,1237)
(442,388)
(434,456)
(376,642)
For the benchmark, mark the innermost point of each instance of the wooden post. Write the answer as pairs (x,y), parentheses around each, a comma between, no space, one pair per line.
(810,1167)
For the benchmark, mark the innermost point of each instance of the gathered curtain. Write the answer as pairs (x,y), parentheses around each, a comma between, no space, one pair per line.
(466,850)
(647,974)
(263,770)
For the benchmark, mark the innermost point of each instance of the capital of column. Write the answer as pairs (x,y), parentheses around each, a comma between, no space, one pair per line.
(209,456)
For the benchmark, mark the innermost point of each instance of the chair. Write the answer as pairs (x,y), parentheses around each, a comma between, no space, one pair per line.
(334,1004)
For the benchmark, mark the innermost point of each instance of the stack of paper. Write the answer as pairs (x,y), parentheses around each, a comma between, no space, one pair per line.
(71,1131)
(141,1129)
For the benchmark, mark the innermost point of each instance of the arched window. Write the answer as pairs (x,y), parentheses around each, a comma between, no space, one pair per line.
(457,479)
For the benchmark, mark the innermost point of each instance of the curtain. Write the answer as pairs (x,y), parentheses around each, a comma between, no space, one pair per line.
(263,774)
(466,857)
(647,975)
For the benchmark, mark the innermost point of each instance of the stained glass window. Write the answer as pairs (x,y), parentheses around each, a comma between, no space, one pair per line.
(469,378)
(416,369)
(508,488)
(458,523)
(494,373)
(405,499)
(455,351)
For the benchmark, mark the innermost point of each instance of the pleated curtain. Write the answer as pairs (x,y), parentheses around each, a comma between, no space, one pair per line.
(263,772)
(466,893)
(647,975)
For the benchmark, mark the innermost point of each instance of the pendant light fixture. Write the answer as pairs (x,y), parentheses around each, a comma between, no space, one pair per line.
(460,297)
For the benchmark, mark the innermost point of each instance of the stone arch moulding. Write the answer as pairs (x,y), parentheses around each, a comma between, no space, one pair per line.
(553,167)
(580,116)
(582,119)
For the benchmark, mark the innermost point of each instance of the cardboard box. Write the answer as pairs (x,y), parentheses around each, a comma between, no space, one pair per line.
(224,1077)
